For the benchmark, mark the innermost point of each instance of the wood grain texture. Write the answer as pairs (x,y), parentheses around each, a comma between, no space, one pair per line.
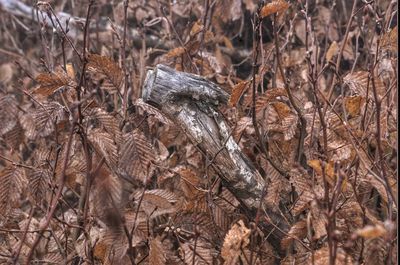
(191,102)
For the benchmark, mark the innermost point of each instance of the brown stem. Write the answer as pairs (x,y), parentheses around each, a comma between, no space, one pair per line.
(54,204)
(26,231)
(303,122)
(124,66)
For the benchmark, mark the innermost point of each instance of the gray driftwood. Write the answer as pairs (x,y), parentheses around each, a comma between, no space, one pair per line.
(191,102)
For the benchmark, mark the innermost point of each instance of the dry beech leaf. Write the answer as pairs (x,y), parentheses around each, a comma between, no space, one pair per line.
(107,120)
(6,73)
(157,255)
(106,68)
(319,220)
(176,52)
(104,144)
(360,83)
(236,239)
(282,109)
(389,40)
(289,125)
(375,251)
(245,124)
(221,215)
(135,155)
(237,92)
(329,169)
(277,187)
(371,231)
(297,231)
(46,115)
(49,83)
(265,99)
(189,183)
(12,180)
(14,136)
(70,71)
(274,7)
(153,111)
(333,49)
(8,113)
(161,198)
(38,184)
(353,105)
(304,187)
(196,28)
(202,255)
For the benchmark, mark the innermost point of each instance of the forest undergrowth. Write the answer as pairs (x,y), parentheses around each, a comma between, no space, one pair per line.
(91,174)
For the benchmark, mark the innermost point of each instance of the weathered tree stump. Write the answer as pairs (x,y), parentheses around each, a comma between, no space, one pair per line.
(191,102)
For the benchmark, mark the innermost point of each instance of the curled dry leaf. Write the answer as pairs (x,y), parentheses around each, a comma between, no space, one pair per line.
(371,231)
(353,105)
(245,124)
(237,92)
(297,231)
(274,7)
(196,28)
(329,169)
(153,111)
(236,239)
(176,52)
(332,51)
(268,97)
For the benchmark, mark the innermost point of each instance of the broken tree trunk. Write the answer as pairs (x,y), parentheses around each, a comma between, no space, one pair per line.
(191,102)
